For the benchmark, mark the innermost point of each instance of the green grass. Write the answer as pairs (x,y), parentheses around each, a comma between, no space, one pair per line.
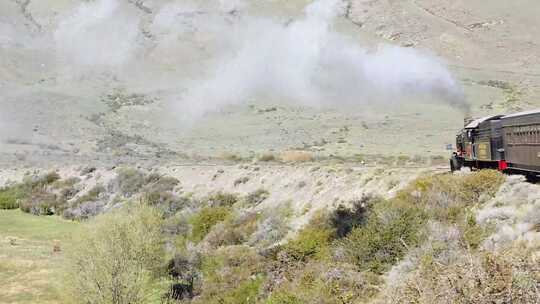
(29,268)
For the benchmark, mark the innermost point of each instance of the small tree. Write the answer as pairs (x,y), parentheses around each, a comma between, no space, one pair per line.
(116,257)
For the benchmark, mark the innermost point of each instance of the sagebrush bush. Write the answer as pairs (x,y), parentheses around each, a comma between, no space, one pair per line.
(88,205)
(483,182)
(235,230)
(116,258)
(129,181)
(48,178)
(205,219)
(323,282)
(256,197)
(391,229)
(271,229)
(222,199)
(447,197)
(506,277)
(232,274)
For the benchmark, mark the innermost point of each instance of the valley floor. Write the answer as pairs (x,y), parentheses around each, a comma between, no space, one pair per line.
(31,257)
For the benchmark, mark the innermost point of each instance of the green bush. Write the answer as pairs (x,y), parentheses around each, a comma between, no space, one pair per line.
(390,231)
(245,293)
(483,182)
(326,282)
(446,197)
(49,178)
(205,219)
(222,199)
(92,195)
(10,197)
(310,243)
(235,230)
(40,202)
(345,219)
(130,181)
(116,258)
(231,275)
(283,297)
(473,234)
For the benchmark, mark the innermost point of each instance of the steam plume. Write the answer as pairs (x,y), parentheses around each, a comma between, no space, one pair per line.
(307,61)
(210,54)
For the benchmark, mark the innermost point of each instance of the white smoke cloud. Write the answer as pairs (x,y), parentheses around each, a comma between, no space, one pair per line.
(99,33)
(307,61)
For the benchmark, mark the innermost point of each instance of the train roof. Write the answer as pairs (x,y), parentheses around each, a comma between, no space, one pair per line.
(475,123)
(525,113)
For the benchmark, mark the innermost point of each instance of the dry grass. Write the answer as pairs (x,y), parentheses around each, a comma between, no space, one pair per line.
(31,254)
(511,276)
(296,156)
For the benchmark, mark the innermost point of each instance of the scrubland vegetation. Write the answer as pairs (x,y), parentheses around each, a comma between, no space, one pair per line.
(149,244)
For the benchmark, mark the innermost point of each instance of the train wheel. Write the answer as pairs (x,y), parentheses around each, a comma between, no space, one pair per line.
(531,178)
(454,164)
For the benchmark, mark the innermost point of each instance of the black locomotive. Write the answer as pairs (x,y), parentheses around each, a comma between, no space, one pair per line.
(510,143)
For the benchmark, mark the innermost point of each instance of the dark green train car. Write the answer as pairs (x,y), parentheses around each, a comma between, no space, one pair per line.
(510,143)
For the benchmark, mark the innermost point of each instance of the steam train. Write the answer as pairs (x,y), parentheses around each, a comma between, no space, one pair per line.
(509,143)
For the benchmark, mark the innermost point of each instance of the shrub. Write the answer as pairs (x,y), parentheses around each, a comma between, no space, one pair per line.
(267,157)
(234,230)
(231,275)
(88,205)
(10,197)
(483,182)
(473,234)
(129,181)
(240,181)
(446,197)
(245,293)
(231,157)
(159,183)
(40,202)
(256,197)
(270,230)
(222,199)
(93,194)
(83,211)
(283,297)
(310,242)
(182,270)
(345,219)
(205,219)
(158,198)
(49,178)
(116,257)
(324,282)
(390,231)
(506,277)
